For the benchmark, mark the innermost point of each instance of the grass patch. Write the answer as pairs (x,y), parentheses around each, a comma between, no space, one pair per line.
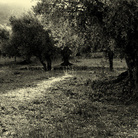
(12,78)
(71,108)
(68,111)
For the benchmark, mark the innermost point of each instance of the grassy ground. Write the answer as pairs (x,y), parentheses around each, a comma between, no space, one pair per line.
(70,108)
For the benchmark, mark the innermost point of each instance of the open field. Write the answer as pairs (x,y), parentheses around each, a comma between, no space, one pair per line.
(63,103)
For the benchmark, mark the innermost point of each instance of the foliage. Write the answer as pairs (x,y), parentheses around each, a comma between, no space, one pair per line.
(55,15)
(100,22)
(4,36)
(73,22)
(29,38)
(10,50)
(118,22)
(121,24)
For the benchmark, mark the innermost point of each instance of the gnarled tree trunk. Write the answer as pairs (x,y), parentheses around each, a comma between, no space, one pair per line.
(132,64)
(66,52)
(43,63)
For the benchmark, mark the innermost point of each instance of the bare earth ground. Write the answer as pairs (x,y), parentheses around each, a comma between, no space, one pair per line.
(62,104)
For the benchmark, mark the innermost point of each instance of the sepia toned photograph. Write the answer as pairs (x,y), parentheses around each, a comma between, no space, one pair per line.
(69,69)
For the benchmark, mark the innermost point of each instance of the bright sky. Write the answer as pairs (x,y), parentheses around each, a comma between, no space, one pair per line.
(23,3)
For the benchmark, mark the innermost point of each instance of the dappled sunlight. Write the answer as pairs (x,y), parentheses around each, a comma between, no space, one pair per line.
(2,71)
(15,100)
(30,93)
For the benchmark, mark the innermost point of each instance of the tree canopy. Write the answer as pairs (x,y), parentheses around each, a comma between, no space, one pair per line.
(4,36)
(100,22)
(29,38)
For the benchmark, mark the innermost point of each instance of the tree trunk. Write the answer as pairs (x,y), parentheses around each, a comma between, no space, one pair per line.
(44,65)
(130,66)
(66,62)
(66,52)
(110,57)
(28,59)
(136,73)
(111,63)
(15,59)
(49,62)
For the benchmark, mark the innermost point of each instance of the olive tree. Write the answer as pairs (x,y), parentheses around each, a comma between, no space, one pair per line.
(114,20)
(4,36)
(118,20)
(121,24)
(31,39)
(55,15)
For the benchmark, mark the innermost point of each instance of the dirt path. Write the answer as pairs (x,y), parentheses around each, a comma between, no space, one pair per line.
(67,107)
(30,93)
(10,118)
